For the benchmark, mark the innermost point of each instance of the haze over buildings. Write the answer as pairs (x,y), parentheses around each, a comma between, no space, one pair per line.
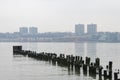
(59,15)
(33,30)
(31,34)
(79,29)
(91,28)
(28,30)
(23,30)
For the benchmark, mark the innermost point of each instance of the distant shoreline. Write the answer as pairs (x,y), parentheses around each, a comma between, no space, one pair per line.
(59,41)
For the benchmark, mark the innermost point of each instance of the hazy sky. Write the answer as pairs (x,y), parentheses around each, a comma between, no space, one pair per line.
(59,15)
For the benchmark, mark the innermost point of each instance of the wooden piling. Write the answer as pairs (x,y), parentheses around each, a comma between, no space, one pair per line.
(97,62)
(105,74)
(70,61)
(115,76)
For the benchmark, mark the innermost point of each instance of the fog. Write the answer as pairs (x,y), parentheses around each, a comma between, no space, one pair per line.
(59,15)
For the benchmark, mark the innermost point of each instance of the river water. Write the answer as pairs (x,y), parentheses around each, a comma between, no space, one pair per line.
(24,68)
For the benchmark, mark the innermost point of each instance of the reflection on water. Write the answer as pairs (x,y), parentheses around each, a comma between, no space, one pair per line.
(80,49)
(86,49)
(91,50)
(33,46)
(30,46)
(23,68)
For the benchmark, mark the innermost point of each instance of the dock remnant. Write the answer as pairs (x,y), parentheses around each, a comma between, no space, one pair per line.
(72,62)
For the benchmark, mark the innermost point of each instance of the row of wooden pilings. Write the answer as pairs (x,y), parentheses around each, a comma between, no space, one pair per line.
(70,61)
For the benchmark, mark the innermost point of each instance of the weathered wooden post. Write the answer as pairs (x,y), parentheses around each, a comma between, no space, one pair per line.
(105,74)
(100,71)
(17,49)
(110,65)
(85,69)
(97,62)
(115,76)
(110,69)
(87,61)
(72,61)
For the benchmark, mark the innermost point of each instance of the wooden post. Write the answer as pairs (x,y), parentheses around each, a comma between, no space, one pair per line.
(115,76)
(97,62)
(105,74)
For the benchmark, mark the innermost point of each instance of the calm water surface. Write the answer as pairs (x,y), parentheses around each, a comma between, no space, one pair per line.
(24,68)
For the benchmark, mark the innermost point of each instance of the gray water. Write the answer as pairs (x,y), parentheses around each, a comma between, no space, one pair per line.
(24,68)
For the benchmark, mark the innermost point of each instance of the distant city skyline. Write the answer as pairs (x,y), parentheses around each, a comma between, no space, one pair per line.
(30,30)
(59,15)
(79,29)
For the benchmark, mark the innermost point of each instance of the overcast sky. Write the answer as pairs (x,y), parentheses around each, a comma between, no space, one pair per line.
(59,15)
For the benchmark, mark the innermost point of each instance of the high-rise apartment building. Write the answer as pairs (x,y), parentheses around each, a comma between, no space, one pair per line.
(23,30)
(79,29)
(92,28)
(33,30)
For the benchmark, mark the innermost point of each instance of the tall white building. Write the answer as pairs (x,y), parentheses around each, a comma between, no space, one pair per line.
(33,30)
(79,29)
(23,30)
(92,28)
